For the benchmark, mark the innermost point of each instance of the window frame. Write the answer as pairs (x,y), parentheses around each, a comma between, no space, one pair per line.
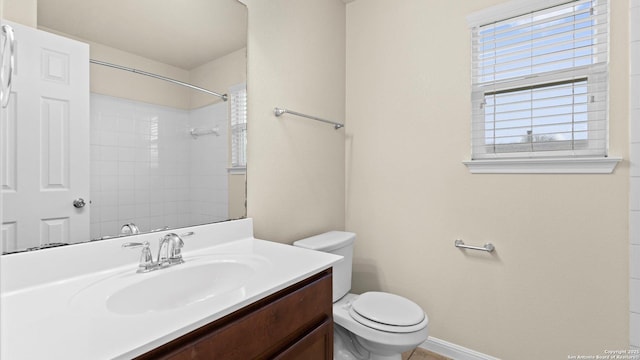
(546,149)
(548,161)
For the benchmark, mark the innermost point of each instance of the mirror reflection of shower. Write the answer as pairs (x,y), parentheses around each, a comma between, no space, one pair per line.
(160,148)
(148,171)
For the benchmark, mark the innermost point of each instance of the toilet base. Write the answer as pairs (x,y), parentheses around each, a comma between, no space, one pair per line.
(346,346)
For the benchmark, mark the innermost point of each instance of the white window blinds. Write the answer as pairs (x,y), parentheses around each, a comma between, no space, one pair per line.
(540,83)
(238,111)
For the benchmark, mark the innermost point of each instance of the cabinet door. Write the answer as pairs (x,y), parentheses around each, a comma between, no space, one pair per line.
(317,345)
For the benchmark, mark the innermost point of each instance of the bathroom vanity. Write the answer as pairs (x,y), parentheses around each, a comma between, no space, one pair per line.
(234,297)
(295,323)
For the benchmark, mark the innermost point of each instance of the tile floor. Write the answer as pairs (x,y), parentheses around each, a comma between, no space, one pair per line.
(421,354)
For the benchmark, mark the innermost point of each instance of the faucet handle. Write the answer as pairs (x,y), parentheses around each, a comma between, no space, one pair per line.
(160,229)
(135,245)
(146,263)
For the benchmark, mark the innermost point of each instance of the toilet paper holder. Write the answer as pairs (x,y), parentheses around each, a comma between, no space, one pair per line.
(488,247)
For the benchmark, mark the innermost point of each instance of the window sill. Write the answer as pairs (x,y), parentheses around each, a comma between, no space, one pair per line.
(237,170)
(544,166)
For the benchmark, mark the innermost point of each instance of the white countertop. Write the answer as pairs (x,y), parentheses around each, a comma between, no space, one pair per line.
(43,319)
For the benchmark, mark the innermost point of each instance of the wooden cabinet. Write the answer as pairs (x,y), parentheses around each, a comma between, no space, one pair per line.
(294,323)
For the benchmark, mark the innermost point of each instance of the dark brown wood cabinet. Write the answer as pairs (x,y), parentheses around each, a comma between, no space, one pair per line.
(294,323)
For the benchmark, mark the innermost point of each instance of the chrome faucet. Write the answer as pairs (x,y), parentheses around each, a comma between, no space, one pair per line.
(169,252)
(146,263)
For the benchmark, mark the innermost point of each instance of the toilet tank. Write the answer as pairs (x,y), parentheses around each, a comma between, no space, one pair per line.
(339,243)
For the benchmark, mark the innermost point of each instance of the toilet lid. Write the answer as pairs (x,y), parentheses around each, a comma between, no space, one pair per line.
(388,312)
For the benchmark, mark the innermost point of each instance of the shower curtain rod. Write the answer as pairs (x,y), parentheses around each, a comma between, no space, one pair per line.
(120,67)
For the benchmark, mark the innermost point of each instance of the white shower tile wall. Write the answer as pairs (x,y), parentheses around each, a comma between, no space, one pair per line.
(634,150)
(142,158)
(209,162)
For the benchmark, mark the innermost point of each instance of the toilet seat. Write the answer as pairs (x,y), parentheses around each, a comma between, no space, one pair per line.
(388,312)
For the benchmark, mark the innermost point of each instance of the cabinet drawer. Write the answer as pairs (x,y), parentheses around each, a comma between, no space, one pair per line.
(317,345)
(263,329)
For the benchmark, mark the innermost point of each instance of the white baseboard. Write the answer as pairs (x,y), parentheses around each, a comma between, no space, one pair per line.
(453,351)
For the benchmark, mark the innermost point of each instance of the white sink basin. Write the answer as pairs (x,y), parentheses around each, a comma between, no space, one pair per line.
(184,286)
(196,280)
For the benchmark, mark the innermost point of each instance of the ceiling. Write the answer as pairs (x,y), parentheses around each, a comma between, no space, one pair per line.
(181,33)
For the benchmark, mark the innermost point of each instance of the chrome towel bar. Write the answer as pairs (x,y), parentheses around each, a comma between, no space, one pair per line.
(488,247)
(280,111)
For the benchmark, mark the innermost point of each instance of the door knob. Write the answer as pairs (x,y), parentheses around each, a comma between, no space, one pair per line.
(79,203)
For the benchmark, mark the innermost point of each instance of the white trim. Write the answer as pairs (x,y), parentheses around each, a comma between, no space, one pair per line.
(544,166)
(237,87)
(507,10)
(453,351)
(237,170)
(238,125)
(634,230)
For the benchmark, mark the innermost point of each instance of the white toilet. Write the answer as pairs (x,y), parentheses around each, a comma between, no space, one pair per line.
(374,325)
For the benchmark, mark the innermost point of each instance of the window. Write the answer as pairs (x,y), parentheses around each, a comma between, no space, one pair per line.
(238,112)
(539,86)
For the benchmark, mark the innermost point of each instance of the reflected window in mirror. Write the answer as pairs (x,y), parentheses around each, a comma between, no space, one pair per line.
(238,104)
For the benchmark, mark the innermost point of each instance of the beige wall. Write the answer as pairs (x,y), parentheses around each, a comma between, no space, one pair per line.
(21,11)
(296,54)
(237,196)
(218,75)
(124,84)
(557,284)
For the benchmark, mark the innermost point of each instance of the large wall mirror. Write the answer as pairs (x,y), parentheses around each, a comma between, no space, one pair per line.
(151,154)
